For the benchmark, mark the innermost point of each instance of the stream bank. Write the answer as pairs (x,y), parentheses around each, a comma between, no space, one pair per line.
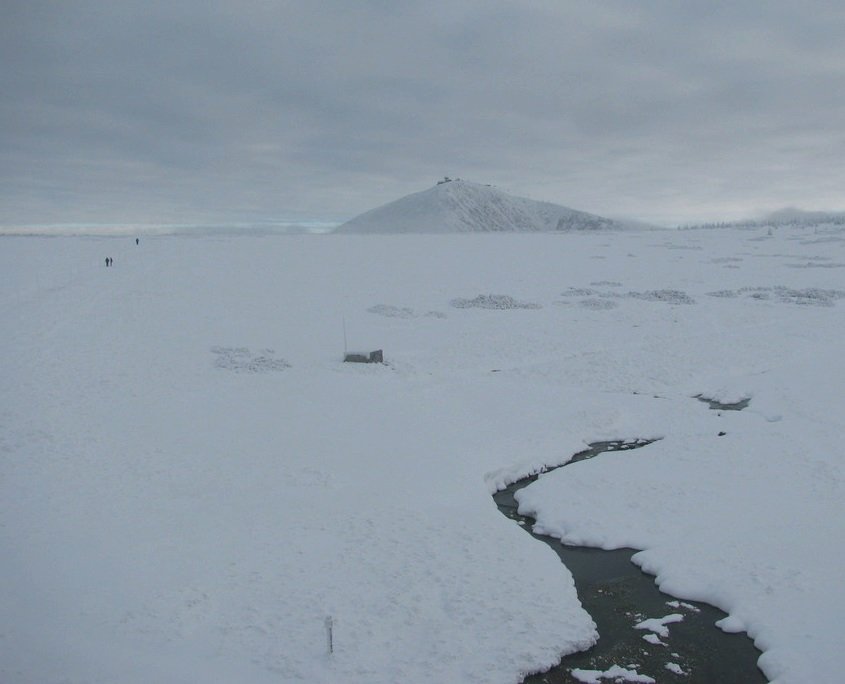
(618,596)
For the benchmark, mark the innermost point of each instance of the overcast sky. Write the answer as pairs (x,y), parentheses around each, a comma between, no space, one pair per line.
(219,111)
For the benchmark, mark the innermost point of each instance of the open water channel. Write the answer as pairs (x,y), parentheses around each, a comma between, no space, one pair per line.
(618,595)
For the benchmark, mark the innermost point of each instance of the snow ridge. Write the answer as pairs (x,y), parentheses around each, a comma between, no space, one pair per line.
(460,206)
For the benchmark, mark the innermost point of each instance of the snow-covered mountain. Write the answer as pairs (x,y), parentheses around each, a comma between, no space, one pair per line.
(458,206)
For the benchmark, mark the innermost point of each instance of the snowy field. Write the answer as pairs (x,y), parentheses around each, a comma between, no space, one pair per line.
(191,481)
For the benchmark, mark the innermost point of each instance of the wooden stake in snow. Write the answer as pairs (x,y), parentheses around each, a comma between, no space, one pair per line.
(329,637)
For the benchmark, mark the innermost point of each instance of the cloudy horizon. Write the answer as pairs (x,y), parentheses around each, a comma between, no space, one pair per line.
(188,112)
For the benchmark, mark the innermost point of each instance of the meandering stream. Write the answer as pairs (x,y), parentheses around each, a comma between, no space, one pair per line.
(618,595)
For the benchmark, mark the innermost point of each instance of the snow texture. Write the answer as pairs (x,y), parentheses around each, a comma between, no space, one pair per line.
(658,625)
(668,296)
(811,296)
(684,605)
(674,668)
(492,302)
(460,206)
(615,674)
(191,480)
(390,311)
(242,360)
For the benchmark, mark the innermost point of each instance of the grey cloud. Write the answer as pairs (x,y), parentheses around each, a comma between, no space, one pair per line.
(297,110)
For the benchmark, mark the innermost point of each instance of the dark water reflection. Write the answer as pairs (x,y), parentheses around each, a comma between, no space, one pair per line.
(617,594)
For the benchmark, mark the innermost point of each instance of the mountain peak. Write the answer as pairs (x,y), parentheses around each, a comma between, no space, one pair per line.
(459,206)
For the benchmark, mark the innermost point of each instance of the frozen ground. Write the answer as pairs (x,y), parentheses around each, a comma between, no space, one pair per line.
(191,481)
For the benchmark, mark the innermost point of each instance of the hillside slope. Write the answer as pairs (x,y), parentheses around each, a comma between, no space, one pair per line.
(459,206)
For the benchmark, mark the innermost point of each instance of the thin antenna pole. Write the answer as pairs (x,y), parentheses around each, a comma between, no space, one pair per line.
(329,636)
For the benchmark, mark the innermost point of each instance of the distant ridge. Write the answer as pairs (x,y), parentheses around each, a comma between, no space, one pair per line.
(458,206)
(789,216)
(794,216)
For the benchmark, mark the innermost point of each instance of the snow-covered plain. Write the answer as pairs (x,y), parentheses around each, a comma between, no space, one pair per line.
(192,481)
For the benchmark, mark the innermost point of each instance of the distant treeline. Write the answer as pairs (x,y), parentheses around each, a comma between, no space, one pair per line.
(801,222)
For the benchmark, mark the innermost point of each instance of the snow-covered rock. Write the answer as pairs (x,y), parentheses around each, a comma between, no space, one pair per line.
(459,206)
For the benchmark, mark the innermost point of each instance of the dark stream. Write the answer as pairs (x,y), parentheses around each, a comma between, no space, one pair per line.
(618,595)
